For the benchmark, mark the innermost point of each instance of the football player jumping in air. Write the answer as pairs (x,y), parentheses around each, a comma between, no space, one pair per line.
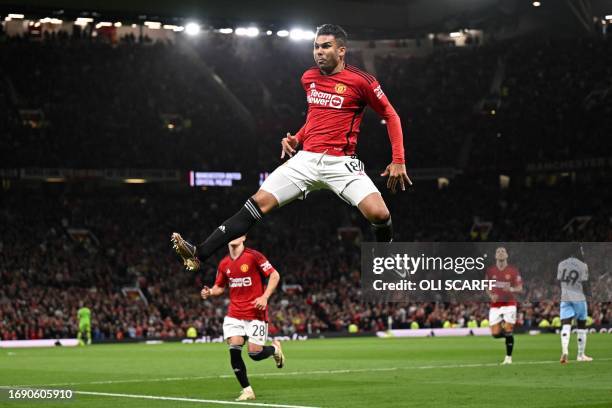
(337,94)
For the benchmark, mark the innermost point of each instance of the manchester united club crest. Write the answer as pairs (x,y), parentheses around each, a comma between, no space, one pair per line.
(340,88)
(244,268)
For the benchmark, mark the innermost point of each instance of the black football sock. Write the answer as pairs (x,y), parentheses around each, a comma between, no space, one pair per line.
(509,343)
(500,334)
(232,228)
(238,365)
(266,352)
(383,231)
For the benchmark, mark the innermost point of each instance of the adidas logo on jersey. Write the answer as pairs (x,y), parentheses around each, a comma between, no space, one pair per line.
(222,228)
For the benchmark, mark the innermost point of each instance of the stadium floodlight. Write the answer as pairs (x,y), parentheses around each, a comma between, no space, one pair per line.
(134,180)
(269,32)
(536,4)
(296,34)
(51,20)
(15,16)
(226,30)
(83,21)
(609,17)
(309,35)
(282,33)
(456,34)
(104,24)
(192,28)
(118,24)
(252,32)
(153,25)
(240,31)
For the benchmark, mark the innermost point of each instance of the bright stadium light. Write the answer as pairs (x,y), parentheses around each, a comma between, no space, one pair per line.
(15,16)
(455,34)
(226,30)
(309,35)
(269,32)
(49,20)
(536,4)
(192,28)
(609,17)
(153,25)
(104,24)
(83,21)
(296,34)
(118,24)
(282,33)
(240,31)
(252,32)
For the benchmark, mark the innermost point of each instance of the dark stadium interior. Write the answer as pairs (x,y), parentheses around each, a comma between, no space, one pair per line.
(534,108)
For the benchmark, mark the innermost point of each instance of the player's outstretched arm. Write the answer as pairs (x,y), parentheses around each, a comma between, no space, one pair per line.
(207,292)
(262,301)
(396,170)
(289,144)
(397,176)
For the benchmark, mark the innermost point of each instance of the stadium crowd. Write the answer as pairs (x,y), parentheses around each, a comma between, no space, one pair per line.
(90,247)
(153,105)
(83,103)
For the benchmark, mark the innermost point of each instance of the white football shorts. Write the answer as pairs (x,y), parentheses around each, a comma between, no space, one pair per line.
(255,330)
(307,171)
(503,313)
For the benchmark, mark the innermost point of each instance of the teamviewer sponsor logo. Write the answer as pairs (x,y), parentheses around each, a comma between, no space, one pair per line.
(325,99)
(240,282)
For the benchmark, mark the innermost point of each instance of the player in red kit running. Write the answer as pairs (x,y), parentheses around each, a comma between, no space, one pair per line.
(244,271)
(508,282)
(337,95)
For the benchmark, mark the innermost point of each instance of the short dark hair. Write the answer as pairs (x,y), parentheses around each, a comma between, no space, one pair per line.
(335,30)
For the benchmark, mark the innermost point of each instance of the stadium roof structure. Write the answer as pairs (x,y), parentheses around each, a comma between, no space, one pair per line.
(365,19)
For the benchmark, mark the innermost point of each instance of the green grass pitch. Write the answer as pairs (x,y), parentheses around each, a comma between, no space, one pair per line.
(358,372)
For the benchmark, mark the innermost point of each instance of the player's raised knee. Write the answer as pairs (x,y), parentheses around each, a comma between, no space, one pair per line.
(380,215)
(265,201)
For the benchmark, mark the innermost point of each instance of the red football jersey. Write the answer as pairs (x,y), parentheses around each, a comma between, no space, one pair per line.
(506,278)
(336,104)
(245,277)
